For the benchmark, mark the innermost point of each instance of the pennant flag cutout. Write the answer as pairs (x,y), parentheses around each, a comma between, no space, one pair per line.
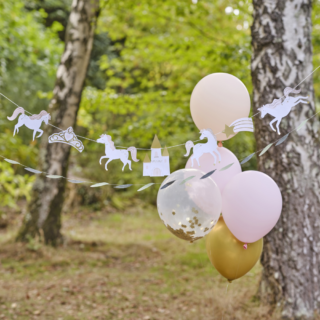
(32,170)
(53,176)
(247,158)
(146,186)
(208,174)
(187,179)
(167,184)
(265,149)
(283,139)
(123,186)
(226,167)
(76,181)
(11,161)
(99,184)
(302,124)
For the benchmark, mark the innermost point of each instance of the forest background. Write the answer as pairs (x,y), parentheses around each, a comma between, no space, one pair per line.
(147,57)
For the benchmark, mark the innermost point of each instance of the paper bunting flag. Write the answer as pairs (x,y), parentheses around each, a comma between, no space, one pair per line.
(99,184)
(159,165)
(33,170)
(123,186)
(114,154)
(145,187)
(67,137)
(246,159)
(11,161)
(187,179)
(283,139)
(207,175)
(167,184)
(199,149)
(302,124)
(280,109)
(32,122)
(75,181)
(226,167)
(265,149)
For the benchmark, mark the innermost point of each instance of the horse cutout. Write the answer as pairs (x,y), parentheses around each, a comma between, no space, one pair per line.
(199,149)
(113,154)
(32,122)
(280,109)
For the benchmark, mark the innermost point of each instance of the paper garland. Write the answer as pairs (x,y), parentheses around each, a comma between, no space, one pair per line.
(279,109)
(199,149)
(207,175)
(284,138)
(279,141)
(67,137)
(32,122)
(159,165)
(114,154)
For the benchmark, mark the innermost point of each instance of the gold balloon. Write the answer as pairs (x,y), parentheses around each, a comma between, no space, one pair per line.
(228,255)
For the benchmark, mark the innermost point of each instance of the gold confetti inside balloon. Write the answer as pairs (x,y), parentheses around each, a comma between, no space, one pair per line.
(190,206)
(231,257)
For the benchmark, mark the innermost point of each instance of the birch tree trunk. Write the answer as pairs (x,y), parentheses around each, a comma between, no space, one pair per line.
(44,209)
(282,57)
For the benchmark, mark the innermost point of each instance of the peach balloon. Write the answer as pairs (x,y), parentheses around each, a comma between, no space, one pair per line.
(221,178)
(218,100)
(251,205)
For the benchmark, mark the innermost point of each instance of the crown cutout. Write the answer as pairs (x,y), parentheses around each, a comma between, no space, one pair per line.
(67,137)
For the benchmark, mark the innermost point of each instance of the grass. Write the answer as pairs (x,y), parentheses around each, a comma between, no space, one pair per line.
(119,266)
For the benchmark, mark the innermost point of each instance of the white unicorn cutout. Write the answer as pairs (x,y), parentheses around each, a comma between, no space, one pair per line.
(280,109)
(199,149)
(113,154)
(32,122)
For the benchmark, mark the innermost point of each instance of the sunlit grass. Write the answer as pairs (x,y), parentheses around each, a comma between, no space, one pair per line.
(120,266)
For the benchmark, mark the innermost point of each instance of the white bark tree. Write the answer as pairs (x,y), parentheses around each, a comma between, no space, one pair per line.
(44,209)
(282,57)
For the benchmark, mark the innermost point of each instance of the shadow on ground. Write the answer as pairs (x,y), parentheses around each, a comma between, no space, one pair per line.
(119,266)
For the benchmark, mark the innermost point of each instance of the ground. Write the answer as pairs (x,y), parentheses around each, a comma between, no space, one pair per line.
(119,265)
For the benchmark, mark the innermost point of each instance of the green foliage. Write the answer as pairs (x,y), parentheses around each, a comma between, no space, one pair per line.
(13,186)
(158,52)
(147,57)
(29,57)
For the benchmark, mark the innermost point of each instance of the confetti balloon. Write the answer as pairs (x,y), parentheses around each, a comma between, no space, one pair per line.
(188,205)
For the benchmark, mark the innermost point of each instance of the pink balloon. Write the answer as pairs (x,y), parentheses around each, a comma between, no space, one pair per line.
(251,205)
(221,178)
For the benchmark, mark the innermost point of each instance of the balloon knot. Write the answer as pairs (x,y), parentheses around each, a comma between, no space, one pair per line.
(245,246)
(220,144)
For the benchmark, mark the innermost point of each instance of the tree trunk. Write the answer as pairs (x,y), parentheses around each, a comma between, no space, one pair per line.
(282,57)
(44,209)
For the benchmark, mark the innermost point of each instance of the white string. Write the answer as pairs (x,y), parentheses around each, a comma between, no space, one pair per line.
(140,184)
(284,135)
(109,184)
(178,145)
(303,80)
(295,86)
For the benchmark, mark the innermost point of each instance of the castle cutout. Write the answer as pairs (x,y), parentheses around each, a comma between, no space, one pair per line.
(159,165)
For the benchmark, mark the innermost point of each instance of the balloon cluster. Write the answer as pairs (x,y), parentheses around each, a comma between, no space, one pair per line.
(234,209)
